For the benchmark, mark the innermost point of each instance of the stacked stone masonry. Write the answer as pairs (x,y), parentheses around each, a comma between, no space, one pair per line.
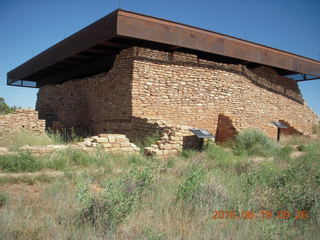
(20,120)
(173,138)
(179,88)
(112,143)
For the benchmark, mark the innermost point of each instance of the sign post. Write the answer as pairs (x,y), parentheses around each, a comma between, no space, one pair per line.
(201,134)
(279,125)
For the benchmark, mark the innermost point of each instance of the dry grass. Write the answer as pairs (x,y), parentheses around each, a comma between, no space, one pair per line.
(49,207)
(21,138)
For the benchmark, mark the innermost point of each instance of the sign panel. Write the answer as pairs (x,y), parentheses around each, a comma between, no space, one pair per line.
(280,125)
(202,133)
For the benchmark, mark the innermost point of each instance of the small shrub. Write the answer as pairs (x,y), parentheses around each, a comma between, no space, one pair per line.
(253,142)
(294,187)
(82,189)
(4,197)
(192,185)
(21,162)
(117,200)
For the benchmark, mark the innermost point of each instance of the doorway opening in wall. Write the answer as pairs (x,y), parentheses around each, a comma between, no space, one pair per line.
(225,129)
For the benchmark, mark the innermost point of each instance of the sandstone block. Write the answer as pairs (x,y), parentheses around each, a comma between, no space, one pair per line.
(107,145)
(116,145)
(125,144)
(112,139)
(102,140)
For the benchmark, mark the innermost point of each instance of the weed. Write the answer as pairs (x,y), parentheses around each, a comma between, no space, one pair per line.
(82,189)
(23,161)
(191,186)
(117,200)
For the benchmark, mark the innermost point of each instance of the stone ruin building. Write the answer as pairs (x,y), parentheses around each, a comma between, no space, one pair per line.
(133,74)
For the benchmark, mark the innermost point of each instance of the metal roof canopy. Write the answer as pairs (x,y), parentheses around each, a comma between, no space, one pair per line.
(92,49)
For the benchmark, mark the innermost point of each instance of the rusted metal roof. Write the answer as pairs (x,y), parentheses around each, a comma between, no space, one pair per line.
(92,49)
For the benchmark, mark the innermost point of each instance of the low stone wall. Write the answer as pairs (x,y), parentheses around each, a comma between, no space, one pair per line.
(173,140)
(115,143)
(21,119)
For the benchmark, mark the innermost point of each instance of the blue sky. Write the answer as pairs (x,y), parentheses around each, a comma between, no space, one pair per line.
(27,27)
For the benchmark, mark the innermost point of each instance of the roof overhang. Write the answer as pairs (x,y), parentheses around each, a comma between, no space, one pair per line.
(92,49)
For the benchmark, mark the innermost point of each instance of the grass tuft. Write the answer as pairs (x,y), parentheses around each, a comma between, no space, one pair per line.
(23,161)
(254,143)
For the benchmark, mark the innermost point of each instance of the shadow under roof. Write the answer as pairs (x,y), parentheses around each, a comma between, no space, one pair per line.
(93,49)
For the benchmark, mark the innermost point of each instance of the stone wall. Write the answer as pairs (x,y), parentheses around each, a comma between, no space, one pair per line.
(99,103)
(20,120)
(179,88)
(173,140)
(185,90)
(114,143)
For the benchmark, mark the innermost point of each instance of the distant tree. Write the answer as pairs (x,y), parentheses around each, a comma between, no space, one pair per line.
(5,108)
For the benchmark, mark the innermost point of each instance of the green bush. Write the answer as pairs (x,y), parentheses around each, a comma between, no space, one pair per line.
(192,185)
(254,142)
(21,162)
(117,200)
(294,187)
